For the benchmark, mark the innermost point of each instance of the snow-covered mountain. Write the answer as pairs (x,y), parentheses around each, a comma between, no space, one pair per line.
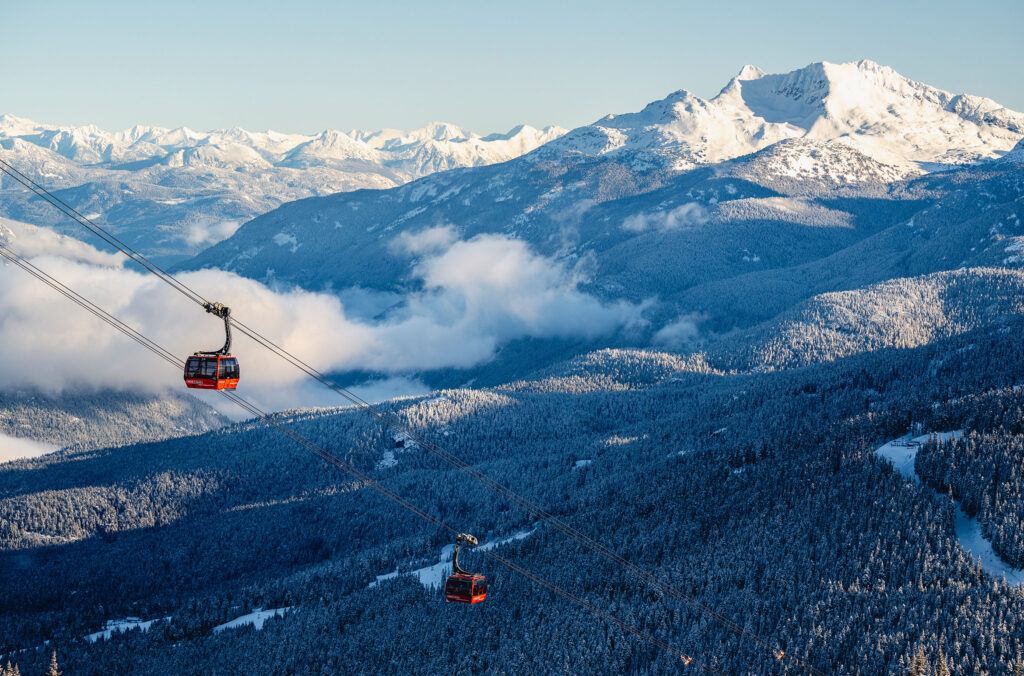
(835,194)
(869,107)
(440,146)
(825,270)
(170,192)
(779,218)
(236,147)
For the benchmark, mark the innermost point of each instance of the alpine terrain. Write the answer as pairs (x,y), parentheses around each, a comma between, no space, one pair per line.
(726,385)
(172,192)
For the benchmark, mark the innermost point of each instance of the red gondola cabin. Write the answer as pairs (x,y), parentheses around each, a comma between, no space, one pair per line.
(213,372)
(465,588)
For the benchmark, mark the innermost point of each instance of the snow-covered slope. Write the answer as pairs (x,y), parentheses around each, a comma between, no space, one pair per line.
(867,106)
(170,192)
(817,163)
(1016,155)
(898,313)
(719,247)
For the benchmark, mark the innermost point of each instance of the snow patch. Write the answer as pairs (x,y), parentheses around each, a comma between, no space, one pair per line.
(433,576)
(387,460)
(111,627)
(616,440)
(901,453)
(256,618)
(284,239)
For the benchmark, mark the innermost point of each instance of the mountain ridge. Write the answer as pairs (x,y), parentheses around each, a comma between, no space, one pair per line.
(181,189)
(729,244)
(855,102)
(89,143)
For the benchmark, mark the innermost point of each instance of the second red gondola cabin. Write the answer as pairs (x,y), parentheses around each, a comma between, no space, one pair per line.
(465,588)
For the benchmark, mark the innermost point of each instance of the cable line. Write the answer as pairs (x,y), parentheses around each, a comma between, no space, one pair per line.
(367,481)
(102,233)
(433,448)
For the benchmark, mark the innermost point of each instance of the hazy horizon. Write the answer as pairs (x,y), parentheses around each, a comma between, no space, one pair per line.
(486,68)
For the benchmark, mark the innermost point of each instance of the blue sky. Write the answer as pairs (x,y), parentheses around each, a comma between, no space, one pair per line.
(306,65)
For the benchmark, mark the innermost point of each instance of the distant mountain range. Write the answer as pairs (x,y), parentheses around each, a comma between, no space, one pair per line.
(170,192)
(810,266)
(712,215)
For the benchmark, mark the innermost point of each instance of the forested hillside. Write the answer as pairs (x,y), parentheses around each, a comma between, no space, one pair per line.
(84,419)
(686,333)
(757,494)
(900,313)
(983,472)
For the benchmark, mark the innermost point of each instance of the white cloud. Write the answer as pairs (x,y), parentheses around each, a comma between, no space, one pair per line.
(383,389)
(680,333)
(14,448)
(208,233)
(429,240)
(575,211)
(684,216)
(29,240)
(476,295)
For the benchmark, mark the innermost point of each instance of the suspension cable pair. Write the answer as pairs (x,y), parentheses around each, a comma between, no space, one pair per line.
(400,426)
(7,253)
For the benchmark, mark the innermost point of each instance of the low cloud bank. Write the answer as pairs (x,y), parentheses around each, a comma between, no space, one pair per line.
(475,295)
(30,240)
(684,216)
(15,448)
(679,334)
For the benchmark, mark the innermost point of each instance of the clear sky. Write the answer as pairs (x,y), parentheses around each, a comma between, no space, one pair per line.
(307,65)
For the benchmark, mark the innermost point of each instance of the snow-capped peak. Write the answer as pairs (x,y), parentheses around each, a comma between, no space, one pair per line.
(331,146)
(442,131)
(12,125)
(871,107)
(749,72)
(391,138)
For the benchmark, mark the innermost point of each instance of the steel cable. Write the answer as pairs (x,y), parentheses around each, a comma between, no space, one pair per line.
(431,447)
(7,253)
